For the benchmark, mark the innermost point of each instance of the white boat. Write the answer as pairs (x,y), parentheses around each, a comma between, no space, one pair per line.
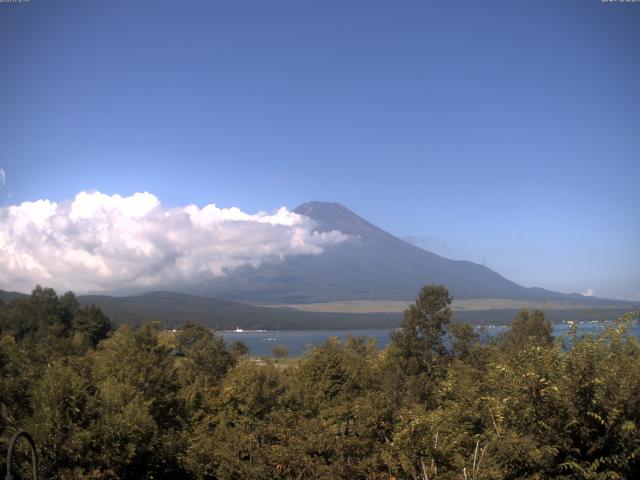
(239,330)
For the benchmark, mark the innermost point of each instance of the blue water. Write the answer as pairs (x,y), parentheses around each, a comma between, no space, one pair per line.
(261,343)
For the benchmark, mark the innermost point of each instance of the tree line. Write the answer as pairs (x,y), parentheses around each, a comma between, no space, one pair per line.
(145,403)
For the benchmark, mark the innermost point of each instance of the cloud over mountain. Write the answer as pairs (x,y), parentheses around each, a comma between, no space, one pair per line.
(102,242)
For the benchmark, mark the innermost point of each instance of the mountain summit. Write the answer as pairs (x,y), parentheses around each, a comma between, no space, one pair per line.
(333,216)
(372,265)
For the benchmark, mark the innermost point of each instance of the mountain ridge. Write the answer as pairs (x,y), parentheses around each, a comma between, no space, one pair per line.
(172,309)
(371,265)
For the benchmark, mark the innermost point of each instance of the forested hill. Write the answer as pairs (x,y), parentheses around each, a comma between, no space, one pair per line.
(8,296)
(173,309)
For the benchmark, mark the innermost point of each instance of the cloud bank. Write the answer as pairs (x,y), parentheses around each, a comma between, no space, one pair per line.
(99,242)
(588,293)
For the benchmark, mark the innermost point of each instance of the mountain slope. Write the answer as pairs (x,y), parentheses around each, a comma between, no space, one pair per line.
(8,296)
(173,309)
(373,264)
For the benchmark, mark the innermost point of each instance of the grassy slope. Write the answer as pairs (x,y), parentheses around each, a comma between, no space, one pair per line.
(475,304)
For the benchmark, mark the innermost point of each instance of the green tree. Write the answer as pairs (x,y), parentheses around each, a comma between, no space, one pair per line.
(280,352)
(138,389)
(238,349)
(45,316)
(464,340)
(527,328)
(230,442)
(417,346)
(37,316)
(18,372)
(204,360)
(92,324)
(64,406)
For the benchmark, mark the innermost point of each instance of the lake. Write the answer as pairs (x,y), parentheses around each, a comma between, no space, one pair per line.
(261,342)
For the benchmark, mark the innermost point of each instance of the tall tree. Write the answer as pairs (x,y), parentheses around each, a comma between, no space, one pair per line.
(528,328)
(418,347)
(92,324)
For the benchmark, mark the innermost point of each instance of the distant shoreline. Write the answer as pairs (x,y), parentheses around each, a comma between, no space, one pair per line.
(472,304)
(261,343)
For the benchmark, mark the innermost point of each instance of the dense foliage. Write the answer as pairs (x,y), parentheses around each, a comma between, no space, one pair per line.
(143,403)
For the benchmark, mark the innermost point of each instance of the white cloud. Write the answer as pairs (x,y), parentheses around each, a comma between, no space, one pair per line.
(102,242)
(3,178)
(588,293)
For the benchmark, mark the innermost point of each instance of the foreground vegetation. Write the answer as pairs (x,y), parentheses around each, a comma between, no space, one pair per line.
(143,403)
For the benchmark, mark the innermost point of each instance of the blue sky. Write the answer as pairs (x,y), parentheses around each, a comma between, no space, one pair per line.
(506,133)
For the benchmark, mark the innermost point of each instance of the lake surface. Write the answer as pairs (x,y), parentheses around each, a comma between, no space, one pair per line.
(261,342)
